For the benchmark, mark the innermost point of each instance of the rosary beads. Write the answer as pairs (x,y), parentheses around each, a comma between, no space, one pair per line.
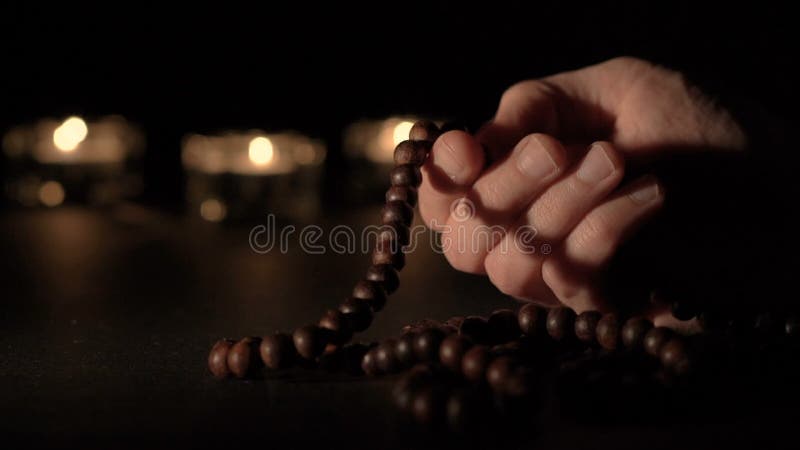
(447,365)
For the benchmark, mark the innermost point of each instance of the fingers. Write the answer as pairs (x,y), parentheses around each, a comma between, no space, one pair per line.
(568,200)
(592,243)
(497,199)
(455,162)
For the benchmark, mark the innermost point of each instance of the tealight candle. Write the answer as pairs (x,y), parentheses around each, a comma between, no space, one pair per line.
(248,174)
(53,161)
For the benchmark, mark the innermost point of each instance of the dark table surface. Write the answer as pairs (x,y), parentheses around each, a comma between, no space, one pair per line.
(107,318)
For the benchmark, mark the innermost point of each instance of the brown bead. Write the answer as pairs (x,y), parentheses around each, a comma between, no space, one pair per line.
(243,357)
(404,350)
(402,194)
(277,351)
(586,325)
(383,253)
(424,130)
(369,363)
(386,358)
(428,406)
(426,344)
(634,331)
(335,321)
(452,351)
(385,275)
(410,152)
(397,212)
(218,358)
(503,326)
(519,383)
(476,329)
(655,339)
(529,319)
(672,353)
(498,371)
(372,292)
(463,409)
(475,362)
(358,313)
(406,175)
(310,340)
(560,322)
(608,331)
(393,233)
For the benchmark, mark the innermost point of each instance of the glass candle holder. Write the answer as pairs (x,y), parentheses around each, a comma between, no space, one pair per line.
(91,162)
(244,175)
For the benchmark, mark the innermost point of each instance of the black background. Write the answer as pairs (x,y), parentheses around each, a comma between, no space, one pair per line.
(316,67)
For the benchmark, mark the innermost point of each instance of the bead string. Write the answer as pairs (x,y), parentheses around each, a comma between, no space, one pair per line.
(497,351)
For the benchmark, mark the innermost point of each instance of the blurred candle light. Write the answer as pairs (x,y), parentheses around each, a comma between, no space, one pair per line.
(375,140)
(240,174)
(90,161)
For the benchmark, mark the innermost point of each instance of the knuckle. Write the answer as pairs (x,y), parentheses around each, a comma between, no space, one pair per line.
(461,257)
(596,233)
(555,277)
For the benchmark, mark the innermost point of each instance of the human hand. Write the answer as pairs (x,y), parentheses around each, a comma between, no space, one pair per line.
(541,210)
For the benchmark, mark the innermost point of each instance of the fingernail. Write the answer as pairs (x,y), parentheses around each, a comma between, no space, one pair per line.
(448,161)
(597,166)
(534,160)
(647,190)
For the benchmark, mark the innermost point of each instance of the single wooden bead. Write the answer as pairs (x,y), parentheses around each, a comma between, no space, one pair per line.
(519,383)
(503,326)
(218,358)
(586,325)
(386,358)
(672,353)
(397,212)
(371,292)
(369,363)
(498,371)
(243,357)
(476,329)
(310,340)
(277,351)
(655,339)
(404,350)
(406,175)
(426,344)
(335,321)
(452,351)
(634,331)
(386,253)
(683,309)
(428,405)
(560,322)
(529,319)
(463,409)
(475,362)
(402,194)
(411,152)
(385,275)
(395,234)
(358,313)
(608,331)
(424,130)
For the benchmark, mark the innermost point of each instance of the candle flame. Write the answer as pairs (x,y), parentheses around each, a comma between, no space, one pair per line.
(400,132)
(261,151)
(70,134)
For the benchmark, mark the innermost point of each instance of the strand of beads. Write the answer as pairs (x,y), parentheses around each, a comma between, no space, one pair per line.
(355,314)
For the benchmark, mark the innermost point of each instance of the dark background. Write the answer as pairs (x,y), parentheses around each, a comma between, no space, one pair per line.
(106,316)
(317,67)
